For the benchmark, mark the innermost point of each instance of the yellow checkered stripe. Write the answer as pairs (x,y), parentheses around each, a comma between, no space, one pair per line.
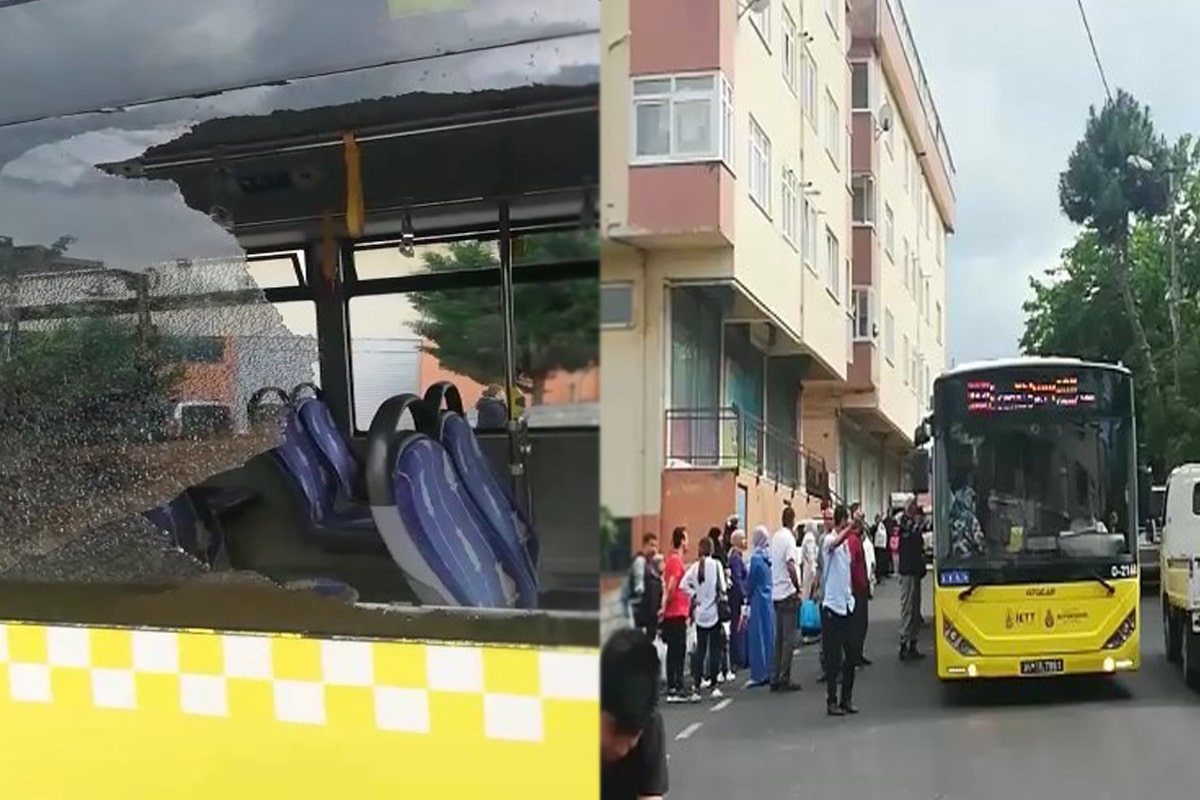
(494,692)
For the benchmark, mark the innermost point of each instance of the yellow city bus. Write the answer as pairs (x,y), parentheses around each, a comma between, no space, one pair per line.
(1033,466)
(215,216)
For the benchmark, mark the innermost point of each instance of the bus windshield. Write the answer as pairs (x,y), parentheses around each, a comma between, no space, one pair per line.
(1026,482)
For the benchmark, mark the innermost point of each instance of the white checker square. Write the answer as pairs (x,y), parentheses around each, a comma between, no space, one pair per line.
(300,701)
(114,688)
(402,709)
(3,643)
(512,717)
(68,647)
(346,663)
(156,651)
(29,683)
(454,669)
(247,657)
(569,676)
(204,695)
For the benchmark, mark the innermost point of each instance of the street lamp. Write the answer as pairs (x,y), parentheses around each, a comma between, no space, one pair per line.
(1143,164)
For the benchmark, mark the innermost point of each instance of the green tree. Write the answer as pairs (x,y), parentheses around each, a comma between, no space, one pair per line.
(1079,309)
(556,324)
(89,379)
(1102,187)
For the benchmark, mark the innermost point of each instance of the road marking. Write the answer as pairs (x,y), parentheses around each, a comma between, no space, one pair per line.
(688,731)
(723,704)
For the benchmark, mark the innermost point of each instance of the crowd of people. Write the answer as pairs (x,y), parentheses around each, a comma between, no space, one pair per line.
(740,605)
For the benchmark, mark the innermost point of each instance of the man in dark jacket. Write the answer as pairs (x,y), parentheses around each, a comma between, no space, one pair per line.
(912,570)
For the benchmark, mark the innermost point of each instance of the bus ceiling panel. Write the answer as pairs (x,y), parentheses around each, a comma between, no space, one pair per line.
(531,156)
(473,218)
(111,54)
(126,186)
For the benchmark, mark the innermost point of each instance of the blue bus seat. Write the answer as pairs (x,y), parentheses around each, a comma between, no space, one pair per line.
(513,537)
(331,441)
(429,523)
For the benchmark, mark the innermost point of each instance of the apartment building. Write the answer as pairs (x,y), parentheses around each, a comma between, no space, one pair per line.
(902,210)
(731,272)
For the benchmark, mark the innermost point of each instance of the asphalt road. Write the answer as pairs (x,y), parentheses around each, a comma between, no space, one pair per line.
(1064,738)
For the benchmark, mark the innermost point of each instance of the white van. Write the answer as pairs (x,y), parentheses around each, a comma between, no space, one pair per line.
(1180,570)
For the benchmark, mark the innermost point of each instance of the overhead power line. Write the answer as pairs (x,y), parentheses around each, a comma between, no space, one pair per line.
(1095,53)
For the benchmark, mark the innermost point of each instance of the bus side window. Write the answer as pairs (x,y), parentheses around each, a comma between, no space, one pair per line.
(1196,499)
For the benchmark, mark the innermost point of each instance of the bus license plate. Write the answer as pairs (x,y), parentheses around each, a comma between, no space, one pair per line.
(1042,666)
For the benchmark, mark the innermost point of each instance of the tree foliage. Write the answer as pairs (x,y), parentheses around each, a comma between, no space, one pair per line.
(87,379)
(556,323)
(1078,309)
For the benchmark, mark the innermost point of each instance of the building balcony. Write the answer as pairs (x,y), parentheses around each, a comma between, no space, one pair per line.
(729,439)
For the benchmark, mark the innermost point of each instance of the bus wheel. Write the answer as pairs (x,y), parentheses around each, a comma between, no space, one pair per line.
(1172,633)
(1191,669)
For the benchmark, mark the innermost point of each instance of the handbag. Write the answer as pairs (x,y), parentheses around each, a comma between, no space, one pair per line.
(724,612)
(810,618)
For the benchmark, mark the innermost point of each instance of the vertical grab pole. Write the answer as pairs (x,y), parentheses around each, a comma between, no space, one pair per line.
(517,441)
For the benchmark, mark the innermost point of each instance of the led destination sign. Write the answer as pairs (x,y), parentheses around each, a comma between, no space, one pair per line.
(988,396)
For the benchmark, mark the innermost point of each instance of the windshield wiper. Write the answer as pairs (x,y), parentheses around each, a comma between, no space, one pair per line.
(970,590)
(1100,580)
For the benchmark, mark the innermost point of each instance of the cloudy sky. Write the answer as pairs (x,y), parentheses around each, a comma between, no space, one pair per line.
(1013,80)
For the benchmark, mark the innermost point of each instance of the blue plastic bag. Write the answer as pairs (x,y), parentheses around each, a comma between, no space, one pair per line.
(810,618)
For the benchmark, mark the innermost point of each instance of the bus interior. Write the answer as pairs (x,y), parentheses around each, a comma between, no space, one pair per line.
(313,354)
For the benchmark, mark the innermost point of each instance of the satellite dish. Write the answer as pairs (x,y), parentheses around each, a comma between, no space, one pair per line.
(885,117)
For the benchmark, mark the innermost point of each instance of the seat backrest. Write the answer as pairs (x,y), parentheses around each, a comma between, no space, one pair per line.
(447,528)
(299,457)
(513,537)
(332,444)
(429,523)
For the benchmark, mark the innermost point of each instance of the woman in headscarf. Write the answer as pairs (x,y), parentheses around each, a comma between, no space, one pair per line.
(808,561)
(738,574)
(760,622)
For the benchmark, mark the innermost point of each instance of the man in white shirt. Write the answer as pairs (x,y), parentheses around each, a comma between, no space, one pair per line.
(838,606)
(785,594)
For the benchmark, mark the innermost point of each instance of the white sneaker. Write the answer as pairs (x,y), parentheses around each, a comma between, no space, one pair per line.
(720,677)
(705,683)
(717,694)
(694,697)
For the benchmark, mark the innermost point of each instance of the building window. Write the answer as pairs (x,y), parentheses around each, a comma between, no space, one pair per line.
(809,233)
(789,190)
(889,231)
(937,321)
(833,263)
(907,164)
(920,292)
(925,302)
(907,266)
(760,167)
(860,86)
(864,318)
(760,18)
(928,385)
(789,50)
(808,86)
(906,355)
(889,337)
(680,118)
(833,128)
(863,206)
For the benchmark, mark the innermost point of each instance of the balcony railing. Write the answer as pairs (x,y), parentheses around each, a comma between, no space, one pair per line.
(914,61)
(727,438)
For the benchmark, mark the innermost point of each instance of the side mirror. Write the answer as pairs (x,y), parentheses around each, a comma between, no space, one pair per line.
(918,469)
(921,435)
(1143,495)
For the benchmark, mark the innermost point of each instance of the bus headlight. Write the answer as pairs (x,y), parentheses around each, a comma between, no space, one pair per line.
(1123,632)
(957,640)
